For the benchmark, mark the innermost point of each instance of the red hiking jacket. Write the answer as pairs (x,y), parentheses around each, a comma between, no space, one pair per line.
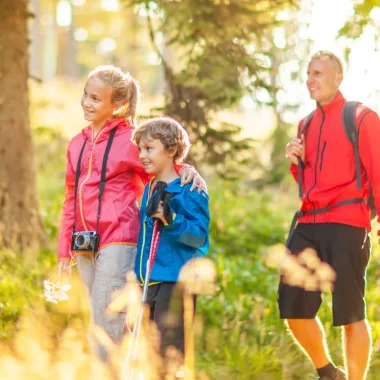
(329,173)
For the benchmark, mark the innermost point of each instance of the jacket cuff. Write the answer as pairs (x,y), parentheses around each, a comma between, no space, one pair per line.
(176,222)
(179,167)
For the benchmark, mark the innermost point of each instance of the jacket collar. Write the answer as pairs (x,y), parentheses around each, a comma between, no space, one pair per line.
(121,123)
(172,187)
(337,101)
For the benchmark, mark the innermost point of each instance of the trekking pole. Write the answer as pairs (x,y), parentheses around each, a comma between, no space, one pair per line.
(129,372)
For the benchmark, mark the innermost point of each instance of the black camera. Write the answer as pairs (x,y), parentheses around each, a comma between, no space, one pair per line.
(85,241)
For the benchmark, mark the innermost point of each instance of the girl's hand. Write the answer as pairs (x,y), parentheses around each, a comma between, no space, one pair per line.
(189,174)
(64,268)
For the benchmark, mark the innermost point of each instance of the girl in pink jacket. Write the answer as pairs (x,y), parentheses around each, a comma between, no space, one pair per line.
(100,216)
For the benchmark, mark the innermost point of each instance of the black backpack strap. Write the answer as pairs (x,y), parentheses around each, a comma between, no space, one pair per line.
(77,175)
(300,214)
(349,122)
(103,175)
(301,165)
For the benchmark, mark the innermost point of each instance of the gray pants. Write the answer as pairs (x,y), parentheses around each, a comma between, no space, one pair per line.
(102,274)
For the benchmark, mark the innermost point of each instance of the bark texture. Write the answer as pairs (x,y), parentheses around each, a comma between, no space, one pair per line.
(20,222)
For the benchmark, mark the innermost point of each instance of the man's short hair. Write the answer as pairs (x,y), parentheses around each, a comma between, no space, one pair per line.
(169,132)
(336,61)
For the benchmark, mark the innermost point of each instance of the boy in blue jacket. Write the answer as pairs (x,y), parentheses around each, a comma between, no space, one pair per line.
(163,142)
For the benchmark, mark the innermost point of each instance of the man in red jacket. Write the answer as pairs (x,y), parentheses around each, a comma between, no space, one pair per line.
(338,233)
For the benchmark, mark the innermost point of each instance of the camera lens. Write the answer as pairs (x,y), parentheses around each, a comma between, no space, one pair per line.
(82,241)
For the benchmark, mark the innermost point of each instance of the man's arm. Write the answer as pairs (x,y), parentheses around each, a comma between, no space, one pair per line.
(369,138)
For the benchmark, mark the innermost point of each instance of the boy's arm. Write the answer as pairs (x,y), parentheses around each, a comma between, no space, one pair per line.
(191,224)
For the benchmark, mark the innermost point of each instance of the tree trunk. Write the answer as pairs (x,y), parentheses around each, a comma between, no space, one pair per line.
(20,223)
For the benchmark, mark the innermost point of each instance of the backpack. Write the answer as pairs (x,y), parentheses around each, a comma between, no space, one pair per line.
(349,123)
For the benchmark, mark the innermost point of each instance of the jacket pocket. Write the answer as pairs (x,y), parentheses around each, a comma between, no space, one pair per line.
(322,156)
(165,256)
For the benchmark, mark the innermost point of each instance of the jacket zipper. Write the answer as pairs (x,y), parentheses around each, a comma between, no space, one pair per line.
(85,180)
(144,235)
(322,155)
(142,278)
(316,164)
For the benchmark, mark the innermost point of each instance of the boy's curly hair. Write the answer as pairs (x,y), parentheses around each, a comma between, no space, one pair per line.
(169,132)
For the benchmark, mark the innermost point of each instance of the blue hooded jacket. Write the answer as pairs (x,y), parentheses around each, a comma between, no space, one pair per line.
(186,237)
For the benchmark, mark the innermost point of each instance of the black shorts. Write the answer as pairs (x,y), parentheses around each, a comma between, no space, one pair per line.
(165,300)
(346,249)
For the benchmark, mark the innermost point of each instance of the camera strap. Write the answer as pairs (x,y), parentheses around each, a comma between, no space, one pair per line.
(77,174)
(102,178)
(102,183)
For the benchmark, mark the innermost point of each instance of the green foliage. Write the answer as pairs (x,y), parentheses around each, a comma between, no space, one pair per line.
(362,17)
(279,165)
(218,42)
(18,285)
(22,274)
(244,221)
(223,51)
(251,340)
(242,335)
(50,154)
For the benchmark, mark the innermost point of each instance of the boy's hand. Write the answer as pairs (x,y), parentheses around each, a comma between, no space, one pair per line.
(160,213)
(189,174)
(64,268)
(296,148)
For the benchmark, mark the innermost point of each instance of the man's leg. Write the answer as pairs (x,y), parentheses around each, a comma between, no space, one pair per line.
(299,307)
(310,336)
(350,249)
(357,344)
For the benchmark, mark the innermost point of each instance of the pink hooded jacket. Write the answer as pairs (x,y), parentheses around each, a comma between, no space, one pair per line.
(125,180)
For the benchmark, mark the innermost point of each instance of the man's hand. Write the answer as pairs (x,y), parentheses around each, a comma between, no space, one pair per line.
(64,268)
(296,148)
(189,174)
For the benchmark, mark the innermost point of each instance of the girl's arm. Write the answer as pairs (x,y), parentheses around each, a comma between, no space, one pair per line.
(186,172)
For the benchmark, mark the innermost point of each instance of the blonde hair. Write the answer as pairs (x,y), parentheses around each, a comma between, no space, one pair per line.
(125,90)
(335,60)
(169,132)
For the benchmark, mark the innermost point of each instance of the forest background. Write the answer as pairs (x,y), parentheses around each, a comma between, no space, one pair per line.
(233,72)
